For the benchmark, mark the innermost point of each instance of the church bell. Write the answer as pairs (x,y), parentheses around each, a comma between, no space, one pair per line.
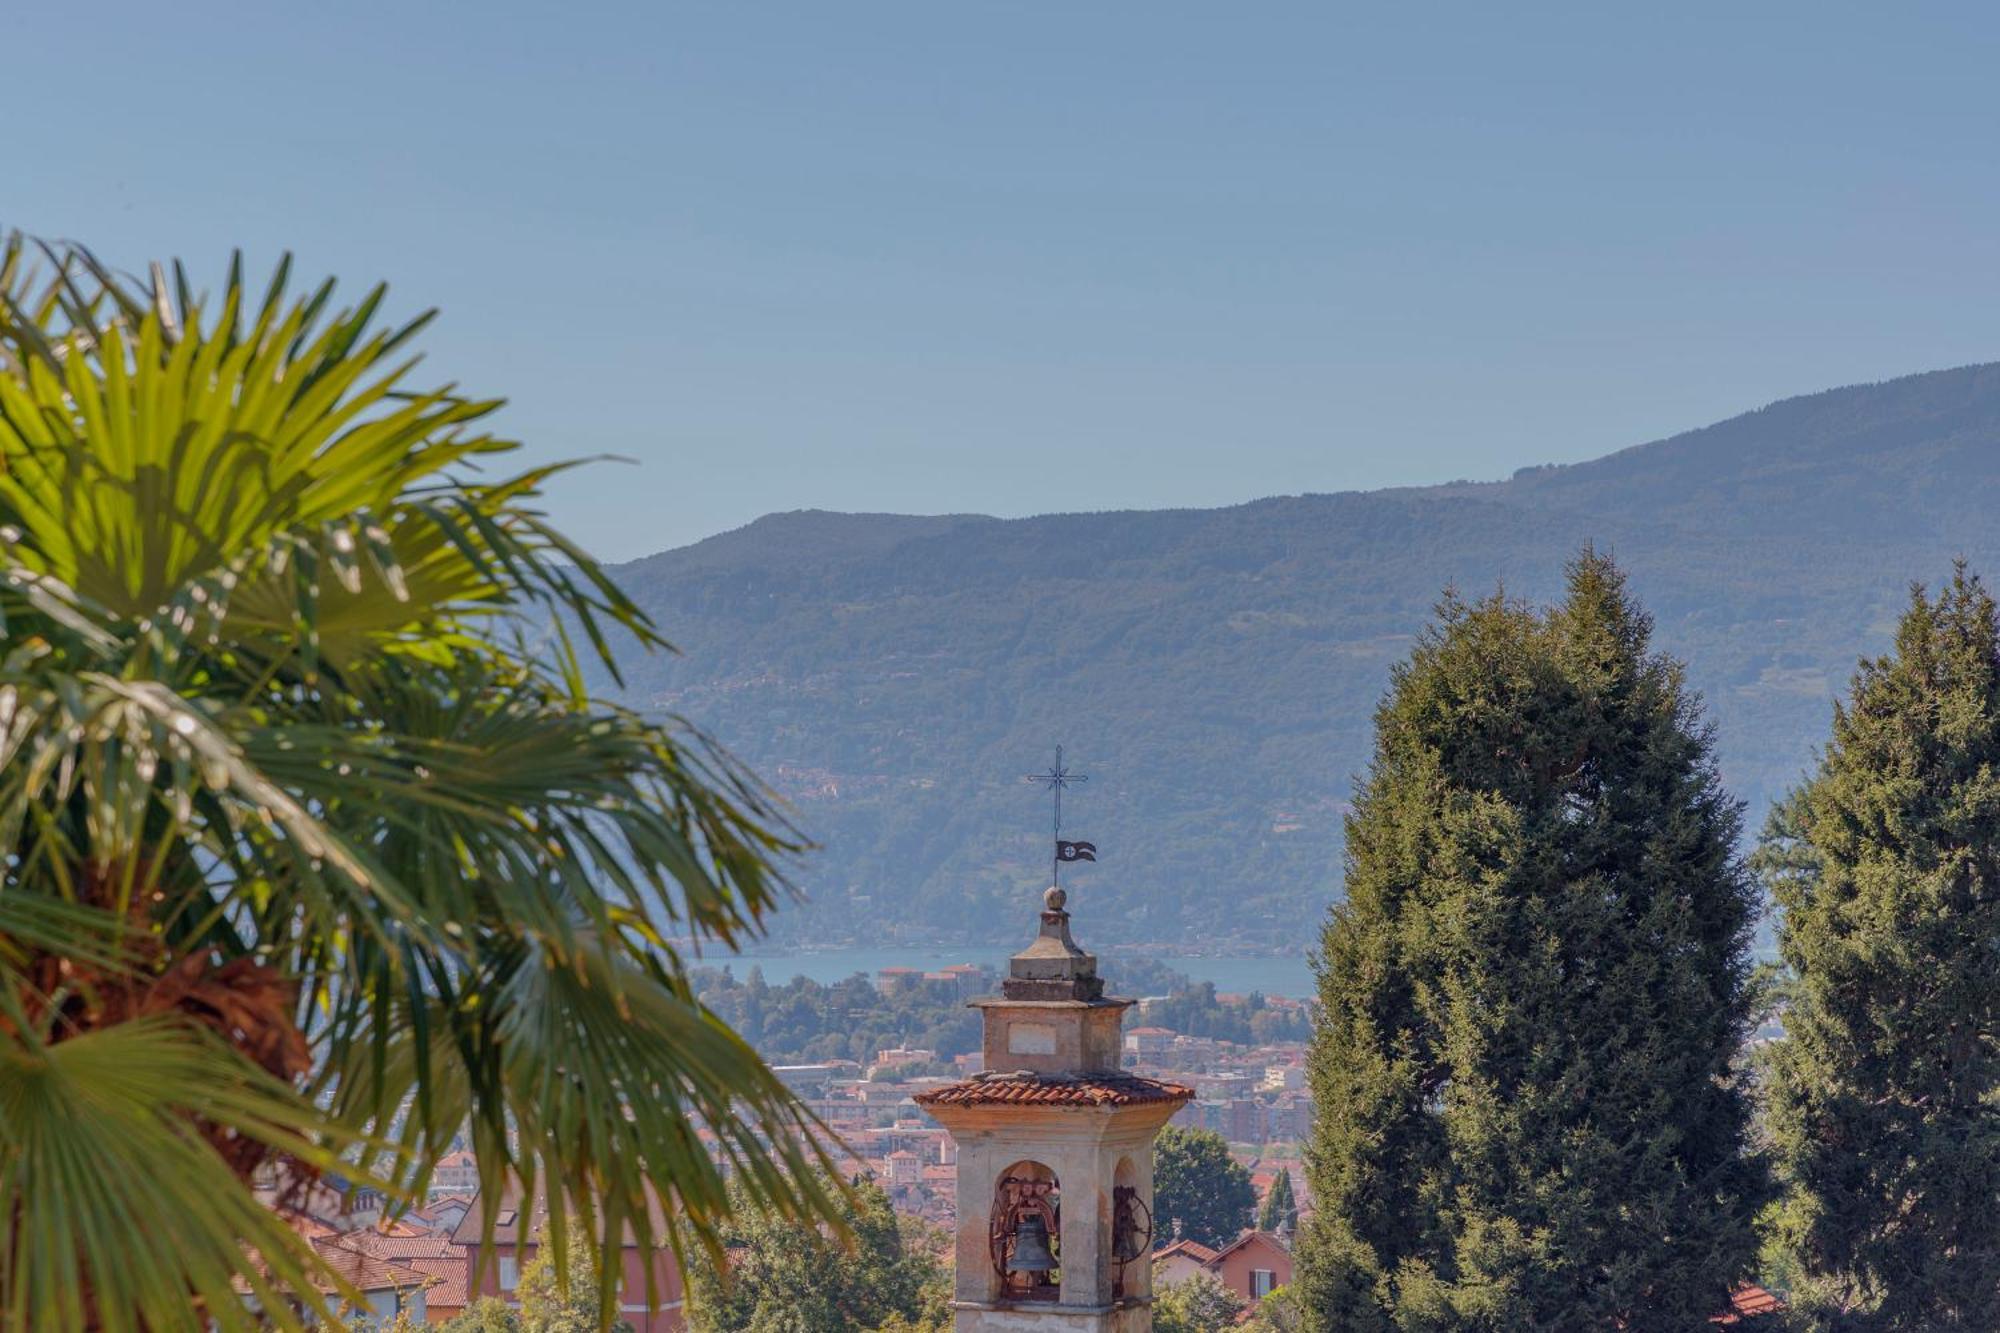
(1031,1247)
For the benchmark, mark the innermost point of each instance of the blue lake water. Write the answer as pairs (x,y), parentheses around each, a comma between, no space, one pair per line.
(1289,976)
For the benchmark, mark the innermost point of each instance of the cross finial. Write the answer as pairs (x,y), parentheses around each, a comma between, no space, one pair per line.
(1057,779)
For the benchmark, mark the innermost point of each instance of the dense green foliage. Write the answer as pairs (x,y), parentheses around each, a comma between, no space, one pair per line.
(1885,1096)
(1198,1186)
(1279,1210)
(805,1021)
(550,1302)
(317,856)
(1214,670)
(784,1278)
(1278,1312)
(1195,1011)
(488,1314)
(1526,1110)
(1198,1304)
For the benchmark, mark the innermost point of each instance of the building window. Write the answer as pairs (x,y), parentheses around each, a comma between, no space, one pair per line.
(1261,1282)
(510,1272)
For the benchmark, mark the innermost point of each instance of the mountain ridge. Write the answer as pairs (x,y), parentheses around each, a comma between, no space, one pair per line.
(1217,669)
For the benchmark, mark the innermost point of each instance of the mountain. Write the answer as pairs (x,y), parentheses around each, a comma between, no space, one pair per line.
(1214,671)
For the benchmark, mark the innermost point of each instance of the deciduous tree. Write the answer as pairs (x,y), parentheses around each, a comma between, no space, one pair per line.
(783,1278)
(1199,1187)
(1198,1304)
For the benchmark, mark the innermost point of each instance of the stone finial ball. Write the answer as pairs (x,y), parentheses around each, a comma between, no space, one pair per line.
(1054,899)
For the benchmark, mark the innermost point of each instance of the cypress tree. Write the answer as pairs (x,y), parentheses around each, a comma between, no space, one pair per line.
(1527,1110)
(1885,1092)
(1279,1210)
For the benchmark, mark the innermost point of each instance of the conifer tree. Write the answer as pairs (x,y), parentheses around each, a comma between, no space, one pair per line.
(1527,1111)
(1278,1210)
(1885,1093)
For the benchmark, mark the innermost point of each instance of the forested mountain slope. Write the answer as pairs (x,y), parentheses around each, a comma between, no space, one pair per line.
(1214,671)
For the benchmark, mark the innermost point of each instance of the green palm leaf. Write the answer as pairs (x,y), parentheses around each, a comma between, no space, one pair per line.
(306,808)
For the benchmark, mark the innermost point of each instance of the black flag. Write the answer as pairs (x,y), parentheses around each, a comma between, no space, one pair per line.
(1075,851)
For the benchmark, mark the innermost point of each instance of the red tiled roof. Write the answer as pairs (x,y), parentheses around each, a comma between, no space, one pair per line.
(1747,1302)
(1193,1249)
(1024,1089)
(367,1272)
(444,1261)
(1249,1237)
(400,1248)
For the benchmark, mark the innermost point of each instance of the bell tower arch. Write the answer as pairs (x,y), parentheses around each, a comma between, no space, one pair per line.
(1055,1152)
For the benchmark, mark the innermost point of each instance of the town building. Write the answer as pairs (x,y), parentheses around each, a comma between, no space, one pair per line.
(1149,1043)
(1252,1266)
(455,1173)
(650,1296)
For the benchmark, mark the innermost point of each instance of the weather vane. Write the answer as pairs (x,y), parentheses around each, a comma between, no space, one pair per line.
(1057,780)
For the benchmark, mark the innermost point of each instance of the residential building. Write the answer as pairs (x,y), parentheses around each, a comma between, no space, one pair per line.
(517,1239)
(1252,1266)
(455,1173)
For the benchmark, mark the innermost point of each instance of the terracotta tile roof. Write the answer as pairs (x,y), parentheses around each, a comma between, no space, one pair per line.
(1252,1236)
(1193,1249)
(1025,1089)
(402,1248)
(366,1271)
(1747,1302)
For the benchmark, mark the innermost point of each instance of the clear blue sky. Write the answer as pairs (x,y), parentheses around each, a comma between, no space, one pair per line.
(1015,258)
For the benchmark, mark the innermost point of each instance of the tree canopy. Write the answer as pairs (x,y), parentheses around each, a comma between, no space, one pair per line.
(1198,1186)
(776,1277)
(317,851)
(1527,1109)
(1885,1091)
(1198,1304)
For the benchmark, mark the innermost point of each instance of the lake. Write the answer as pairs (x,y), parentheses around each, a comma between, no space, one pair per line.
(1289,976)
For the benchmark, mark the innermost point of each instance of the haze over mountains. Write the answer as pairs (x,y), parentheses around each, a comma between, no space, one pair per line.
(1215,671)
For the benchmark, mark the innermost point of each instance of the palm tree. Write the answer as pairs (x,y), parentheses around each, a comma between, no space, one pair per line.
(317,851)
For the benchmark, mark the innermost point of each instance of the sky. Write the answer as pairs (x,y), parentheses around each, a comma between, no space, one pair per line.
(1020,258)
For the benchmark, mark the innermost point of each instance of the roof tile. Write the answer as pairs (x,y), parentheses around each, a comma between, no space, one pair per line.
(1026,1089)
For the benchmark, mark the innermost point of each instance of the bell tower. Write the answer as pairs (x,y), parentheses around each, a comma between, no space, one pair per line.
(1055,1152)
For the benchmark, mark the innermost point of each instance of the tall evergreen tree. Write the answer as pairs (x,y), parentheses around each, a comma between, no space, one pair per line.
(1278,1210)
(1527,1112)
(1885,1093)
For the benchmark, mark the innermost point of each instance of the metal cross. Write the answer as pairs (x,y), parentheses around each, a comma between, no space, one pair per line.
(1057,779)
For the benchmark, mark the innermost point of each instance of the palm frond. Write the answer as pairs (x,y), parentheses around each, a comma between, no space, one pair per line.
(96,1134)
(314,842)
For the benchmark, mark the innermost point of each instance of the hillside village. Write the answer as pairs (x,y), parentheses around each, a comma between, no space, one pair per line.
(428,1263)
(1252,1095)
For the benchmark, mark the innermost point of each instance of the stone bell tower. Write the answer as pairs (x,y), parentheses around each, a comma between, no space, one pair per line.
(1055,1152)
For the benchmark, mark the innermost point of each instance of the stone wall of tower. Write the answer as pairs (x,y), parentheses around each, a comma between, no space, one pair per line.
(1054,1036)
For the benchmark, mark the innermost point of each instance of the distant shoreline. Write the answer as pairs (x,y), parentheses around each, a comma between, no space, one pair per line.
(1289,976)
